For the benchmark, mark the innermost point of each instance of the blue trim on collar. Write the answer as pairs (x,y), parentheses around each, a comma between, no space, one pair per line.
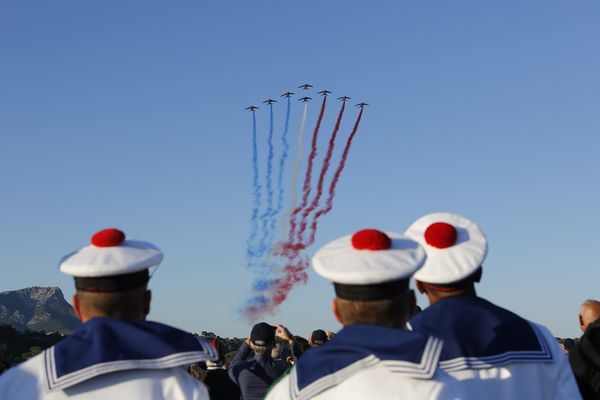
(359,346)
(104,345)
(479,334)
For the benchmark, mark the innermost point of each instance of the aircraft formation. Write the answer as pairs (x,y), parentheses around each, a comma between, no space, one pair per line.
(305,99)
(278,238)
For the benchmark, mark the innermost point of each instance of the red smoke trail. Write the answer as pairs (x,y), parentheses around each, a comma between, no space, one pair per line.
(332,186)
(294,273)
(324,170)
(308,176)
(295,269)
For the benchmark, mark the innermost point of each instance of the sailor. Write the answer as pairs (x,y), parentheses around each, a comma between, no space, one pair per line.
(492,352)
(116,353)
(372,357)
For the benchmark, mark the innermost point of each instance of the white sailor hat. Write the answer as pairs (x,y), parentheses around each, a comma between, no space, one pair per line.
(370,264)
(111,254)
(455,246)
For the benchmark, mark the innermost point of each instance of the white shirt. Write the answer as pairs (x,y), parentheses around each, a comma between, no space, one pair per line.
(530,381)
(27,382)
(375,383)
(109,359)
(368,362)
(496,355)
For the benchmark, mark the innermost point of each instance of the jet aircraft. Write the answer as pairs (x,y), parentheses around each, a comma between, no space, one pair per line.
(305,99)
(324,92)
(305,86)
(252,108)
(362,105)
(270,101)
(343,98)
(287,94)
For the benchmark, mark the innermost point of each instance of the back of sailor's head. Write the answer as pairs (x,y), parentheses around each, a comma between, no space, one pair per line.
(370,271)
(111,275)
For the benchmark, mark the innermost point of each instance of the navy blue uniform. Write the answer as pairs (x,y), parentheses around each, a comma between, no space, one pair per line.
(254,376)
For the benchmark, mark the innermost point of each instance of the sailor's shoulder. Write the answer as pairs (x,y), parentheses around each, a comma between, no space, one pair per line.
(378,382)
(23,379)
(172,383)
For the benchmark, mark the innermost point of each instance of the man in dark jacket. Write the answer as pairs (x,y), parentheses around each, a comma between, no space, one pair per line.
(256,375)
(585,357)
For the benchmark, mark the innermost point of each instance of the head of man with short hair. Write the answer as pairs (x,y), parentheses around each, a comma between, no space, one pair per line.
(111,276)
(588,312)
(370,272)
(99,297)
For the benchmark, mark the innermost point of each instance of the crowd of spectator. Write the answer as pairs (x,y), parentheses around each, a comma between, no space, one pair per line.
(460,346)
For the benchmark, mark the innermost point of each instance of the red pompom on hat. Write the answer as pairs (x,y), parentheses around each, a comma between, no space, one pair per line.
(371,239)
(440,235)
(110,254)
(369,257)
(455,247)
(108,238)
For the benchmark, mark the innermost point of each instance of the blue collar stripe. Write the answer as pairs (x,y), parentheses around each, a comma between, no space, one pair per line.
(402,353)
(426,367)
(328,381)
(544,355)
(478,334)
(104,345)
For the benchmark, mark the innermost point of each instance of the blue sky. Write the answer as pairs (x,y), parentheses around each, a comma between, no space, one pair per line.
(130,114)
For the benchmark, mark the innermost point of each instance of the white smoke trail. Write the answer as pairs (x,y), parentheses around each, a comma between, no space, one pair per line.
(283,219)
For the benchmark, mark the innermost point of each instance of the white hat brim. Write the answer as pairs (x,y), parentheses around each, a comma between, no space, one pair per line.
(129,257)
(339,262)
(452,264)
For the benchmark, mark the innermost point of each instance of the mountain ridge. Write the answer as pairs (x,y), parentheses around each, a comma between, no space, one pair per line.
(38,309)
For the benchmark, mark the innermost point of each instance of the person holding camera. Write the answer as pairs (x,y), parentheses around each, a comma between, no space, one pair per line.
(254,376)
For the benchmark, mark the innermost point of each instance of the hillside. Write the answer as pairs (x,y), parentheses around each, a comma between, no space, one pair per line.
(38,309)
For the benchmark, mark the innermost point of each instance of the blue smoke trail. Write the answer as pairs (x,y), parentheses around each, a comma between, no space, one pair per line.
(250,252)
(262,284)
(282,161)
(262,246)
(295,172)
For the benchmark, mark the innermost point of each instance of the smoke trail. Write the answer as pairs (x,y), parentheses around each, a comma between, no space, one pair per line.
(263,284)
(262,246)
(258,306)
(334,181)
(308,176)
(296,170)
(295,272)
(280,190)
(256,192)
(324,170)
